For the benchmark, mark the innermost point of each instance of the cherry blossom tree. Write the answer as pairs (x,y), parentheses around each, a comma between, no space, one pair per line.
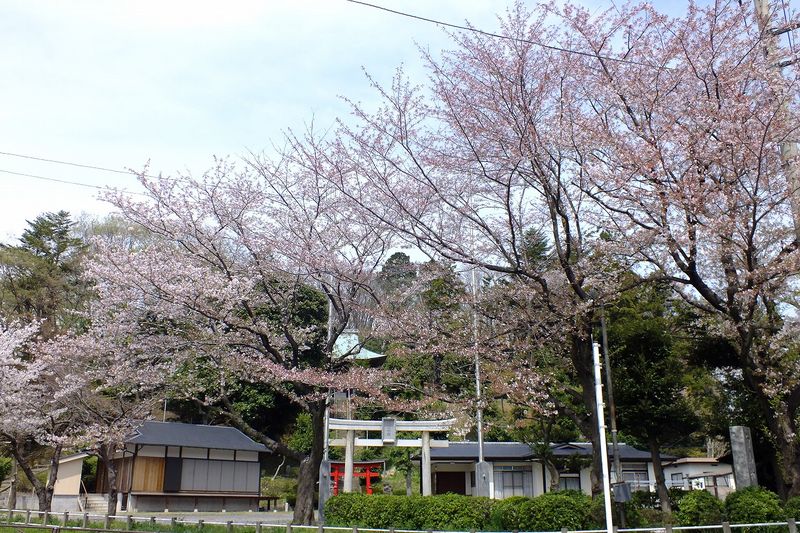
(625,140)
(110,379)
(472,167)
(35,406)
(683,149)
(232,254)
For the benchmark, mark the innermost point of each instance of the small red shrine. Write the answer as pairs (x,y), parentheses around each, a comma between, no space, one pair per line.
(370,471)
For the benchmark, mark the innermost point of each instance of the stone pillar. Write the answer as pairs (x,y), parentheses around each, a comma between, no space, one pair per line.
(349,450)
(324,487)
(483,479)
(744,463)
(426,464)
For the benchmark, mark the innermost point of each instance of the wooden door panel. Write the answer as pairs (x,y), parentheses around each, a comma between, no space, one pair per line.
(148,474)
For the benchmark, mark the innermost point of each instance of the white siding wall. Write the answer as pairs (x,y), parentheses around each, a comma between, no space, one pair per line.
(152,451)
(219,476)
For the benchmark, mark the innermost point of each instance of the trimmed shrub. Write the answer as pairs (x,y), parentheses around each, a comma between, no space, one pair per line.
(455,512)
(698,508)
(555,510)
(753,504)
(344,510)
(446,511)
(507,513)
(791,509)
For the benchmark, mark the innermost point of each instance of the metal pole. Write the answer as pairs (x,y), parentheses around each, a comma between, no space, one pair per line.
(612,412)
(612,409)
(478,397)
(601,426)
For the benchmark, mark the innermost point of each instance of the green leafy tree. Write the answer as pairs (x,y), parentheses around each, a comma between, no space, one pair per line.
(40,277)
(648,375)
(398,273)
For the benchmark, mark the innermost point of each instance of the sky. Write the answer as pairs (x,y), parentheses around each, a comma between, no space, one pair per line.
(177,82)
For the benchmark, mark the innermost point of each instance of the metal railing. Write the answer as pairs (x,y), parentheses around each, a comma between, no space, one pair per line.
(57,522)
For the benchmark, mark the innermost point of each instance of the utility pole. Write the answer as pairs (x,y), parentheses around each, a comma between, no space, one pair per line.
(601,428)
(612,414)
(324,478)
(483,472)
(790,155)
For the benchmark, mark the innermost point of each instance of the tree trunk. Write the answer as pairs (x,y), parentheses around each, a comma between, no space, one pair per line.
(12,490)
(106,455)
(44,491)
(584,372)
(658,470)
(45,494)
(555,477)
(780,417)
(780,422)
(309,468)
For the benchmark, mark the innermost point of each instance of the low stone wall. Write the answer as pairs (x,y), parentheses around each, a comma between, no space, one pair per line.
(25,500)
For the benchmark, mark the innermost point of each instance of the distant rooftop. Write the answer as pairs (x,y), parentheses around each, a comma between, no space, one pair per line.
(348,345)
(521,451)
(194,436)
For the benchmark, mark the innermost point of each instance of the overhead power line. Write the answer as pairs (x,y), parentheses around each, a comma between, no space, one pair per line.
(508,37)
(72,164)
(68,182)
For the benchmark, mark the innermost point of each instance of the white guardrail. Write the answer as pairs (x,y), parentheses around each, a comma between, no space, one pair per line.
(27,519)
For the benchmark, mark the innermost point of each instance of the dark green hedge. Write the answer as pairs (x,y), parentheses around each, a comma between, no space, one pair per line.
(698,508)
(446,511)
(550,511)
(752,505)
(555,510)
(791,509)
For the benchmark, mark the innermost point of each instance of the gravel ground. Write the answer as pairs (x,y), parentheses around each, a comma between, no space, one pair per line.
(267,517)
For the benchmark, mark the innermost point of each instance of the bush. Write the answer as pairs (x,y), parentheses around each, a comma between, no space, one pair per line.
(507,514)
(698,508)
(282,487)
(644,499)
(556,510)
(652,517)
(5,467)
(344,510)
(791,509)
(753,504)
(446,511)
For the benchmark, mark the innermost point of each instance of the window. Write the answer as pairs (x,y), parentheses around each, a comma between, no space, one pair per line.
(636,475)
(676,480)
(568,481)
(512,481)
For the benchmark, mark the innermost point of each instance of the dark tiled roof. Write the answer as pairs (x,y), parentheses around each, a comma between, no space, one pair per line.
(193,435)
(520,451)
(491,451)
(626,452)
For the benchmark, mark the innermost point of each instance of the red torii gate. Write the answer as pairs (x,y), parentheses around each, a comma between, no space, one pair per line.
(369,470)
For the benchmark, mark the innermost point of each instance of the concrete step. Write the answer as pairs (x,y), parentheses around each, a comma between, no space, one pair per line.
(96,503)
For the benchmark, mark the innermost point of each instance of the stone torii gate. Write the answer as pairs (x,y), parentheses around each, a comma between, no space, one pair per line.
(388,428)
